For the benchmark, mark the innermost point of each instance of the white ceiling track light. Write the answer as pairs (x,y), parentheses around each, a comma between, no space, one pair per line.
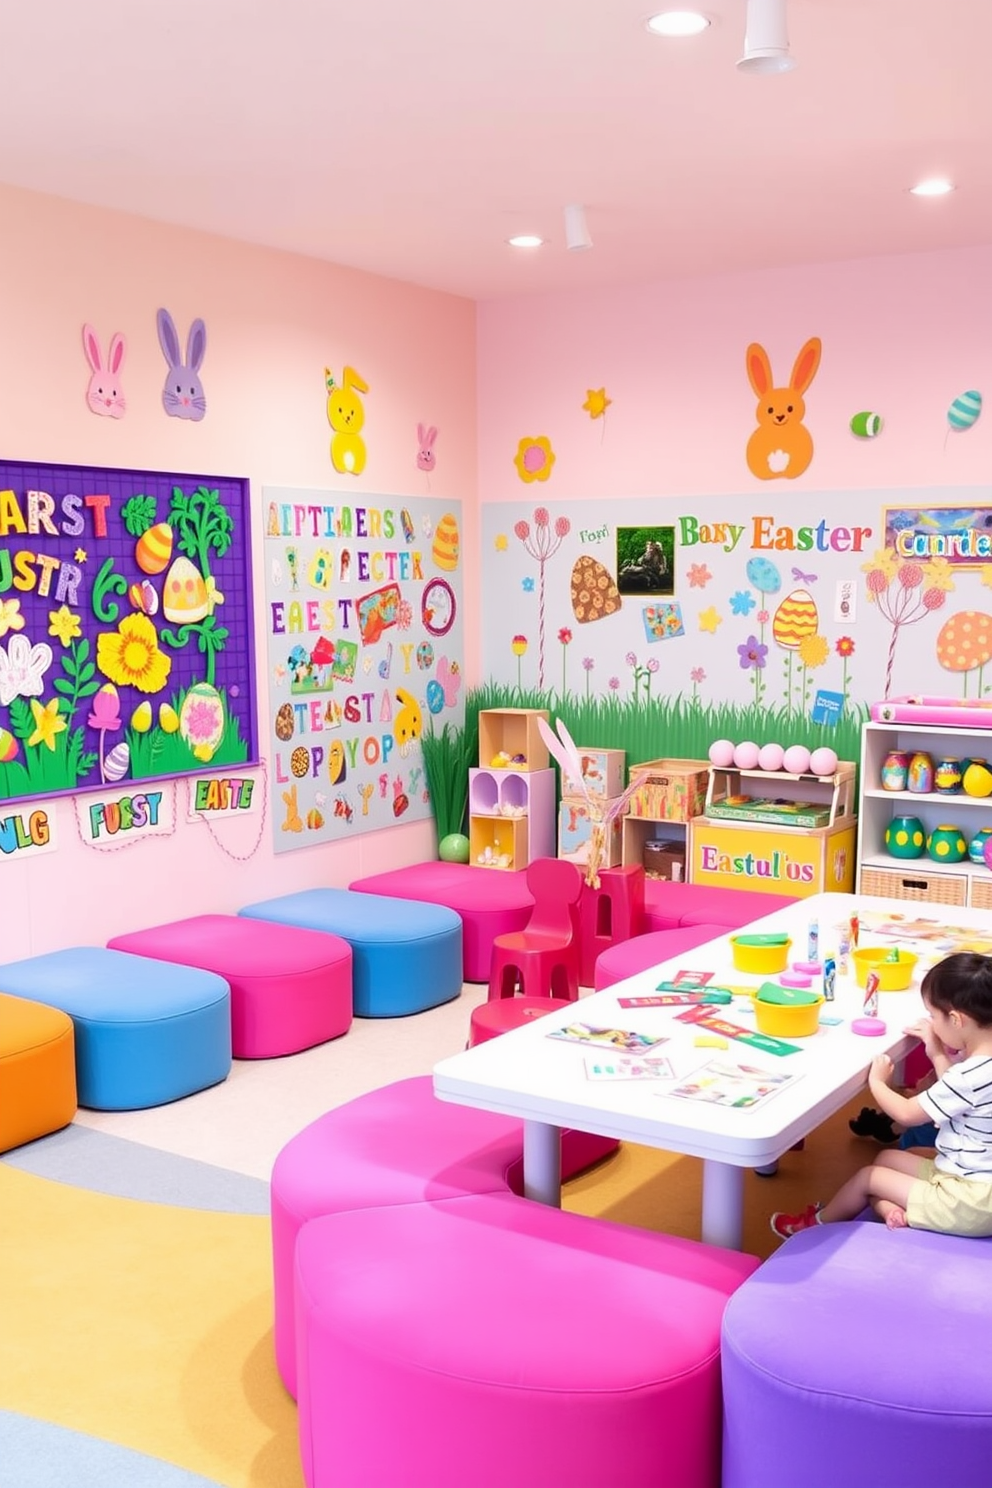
(576,230)
(766,39)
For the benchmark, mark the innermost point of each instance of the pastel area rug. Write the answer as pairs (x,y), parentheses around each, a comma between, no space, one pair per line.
(136,1303)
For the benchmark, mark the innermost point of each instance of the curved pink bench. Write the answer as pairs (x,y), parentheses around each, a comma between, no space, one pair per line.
(393,1147)
(493,1342)
(644,951)
(670,906)
(290,988)
(490,903)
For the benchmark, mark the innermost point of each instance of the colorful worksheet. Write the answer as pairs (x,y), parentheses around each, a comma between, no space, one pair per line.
(724,1082)
(628,1067)
(623,1039)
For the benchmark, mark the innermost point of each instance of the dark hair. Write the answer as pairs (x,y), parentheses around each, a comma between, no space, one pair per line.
(961,983)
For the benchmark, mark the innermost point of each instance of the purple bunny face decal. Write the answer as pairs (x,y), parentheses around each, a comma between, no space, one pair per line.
(182,396)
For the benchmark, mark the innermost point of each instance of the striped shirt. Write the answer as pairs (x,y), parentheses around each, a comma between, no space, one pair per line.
(961,1105)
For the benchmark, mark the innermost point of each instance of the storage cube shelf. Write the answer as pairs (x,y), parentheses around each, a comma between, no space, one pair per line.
(602,774)
(510,732)
(575,834)
(921,880)
(640,830)
(511,815)
(671,790)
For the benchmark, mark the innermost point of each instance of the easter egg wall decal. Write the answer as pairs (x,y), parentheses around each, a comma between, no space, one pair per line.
(964,641)
(866,425)
(762,573)
(594,593)
(184,595)
(117,762)
(964,411)
(8,747)
(445,550)
(153,549)
(201,720)
(795,619)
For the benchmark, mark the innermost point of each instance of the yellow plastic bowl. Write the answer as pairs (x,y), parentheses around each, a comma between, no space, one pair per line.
(787,1022)
(893,976)
(760,960)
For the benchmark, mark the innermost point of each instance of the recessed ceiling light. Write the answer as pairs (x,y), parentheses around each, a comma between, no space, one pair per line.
(525,240)
(678,23)
(934,186)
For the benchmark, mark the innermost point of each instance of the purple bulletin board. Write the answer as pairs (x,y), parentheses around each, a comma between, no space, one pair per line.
(126,642)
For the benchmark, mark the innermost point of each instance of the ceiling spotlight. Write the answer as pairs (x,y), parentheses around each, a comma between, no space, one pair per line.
(935,186)
(678,23)
(766,39)
(525,240)
(576,232)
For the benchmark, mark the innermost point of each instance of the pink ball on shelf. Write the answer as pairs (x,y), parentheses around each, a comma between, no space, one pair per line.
(987,852)
(746,755)
(770,757)
(721,754)
(796,759)
(823,761)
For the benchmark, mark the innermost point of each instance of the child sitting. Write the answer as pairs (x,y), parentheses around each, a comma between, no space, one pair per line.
(953,1191)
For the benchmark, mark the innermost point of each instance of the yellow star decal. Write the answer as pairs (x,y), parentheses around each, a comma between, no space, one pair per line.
(81,555)
(596,402)
(709,620)
(500,542)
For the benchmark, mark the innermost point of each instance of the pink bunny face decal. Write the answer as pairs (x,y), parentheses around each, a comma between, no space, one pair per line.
(182,395)
(105,396)
(450,679)
(426,458)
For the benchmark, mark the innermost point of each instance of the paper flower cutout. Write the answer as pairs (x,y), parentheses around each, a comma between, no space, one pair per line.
(10,616)
(698,576)
(596,402)
(534,459)
(501,542)
(23,668)
(47,723)
(709,620)
(130,656)
(64,625)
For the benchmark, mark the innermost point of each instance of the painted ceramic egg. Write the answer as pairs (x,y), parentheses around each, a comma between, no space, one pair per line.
(445,550)
(762,573)
(144,597)
(795,619)
(117,762)
(977,779)
(593,591)
(153,549)
(904,837)
(141,718)
(976,847)
(866,425)
(965,409)
(168,718)
(184,594)
(435,697)
(946,844)
(8,747)
(201,720)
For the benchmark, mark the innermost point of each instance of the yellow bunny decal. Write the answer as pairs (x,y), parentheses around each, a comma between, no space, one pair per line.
(346,415)
(781,445)
(409,722)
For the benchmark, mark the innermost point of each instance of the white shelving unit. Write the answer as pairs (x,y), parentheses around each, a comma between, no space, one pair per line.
(921,879)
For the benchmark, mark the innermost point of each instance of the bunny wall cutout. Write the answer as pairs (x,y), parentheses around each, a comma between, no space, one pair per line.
(346,416)
(105,395)
(781,445)
(602,814)
(182,396)
(426,458)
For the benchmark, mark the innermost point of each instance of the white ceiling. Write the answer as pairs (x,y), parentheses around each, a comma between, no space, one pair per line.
(412,137)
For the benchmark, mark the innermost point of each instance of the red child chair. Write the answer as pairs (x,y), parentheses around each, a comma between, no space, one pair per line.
(542,960)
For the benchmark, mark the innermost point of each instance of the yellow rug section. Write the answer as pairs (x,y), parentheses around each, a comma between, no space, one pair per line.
(145,1325)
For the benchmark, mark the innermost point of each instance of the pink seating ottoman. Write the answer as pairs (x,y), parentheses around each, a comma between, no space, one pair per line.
(290,988)
(644,951)
(498,1343)
(392,1147)
(670,905)
(489,903)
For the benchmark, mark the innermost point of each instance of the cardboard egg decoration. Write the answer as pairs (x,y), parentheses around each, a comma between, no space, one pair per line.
(964,641)
(867,425)
(964,411)
(201,720)
(117,762)
(184,594)
(153,549)
(593,590)
(795,619)
(168,719)
(8,747)
(141,718)
(144,597)
(445,550)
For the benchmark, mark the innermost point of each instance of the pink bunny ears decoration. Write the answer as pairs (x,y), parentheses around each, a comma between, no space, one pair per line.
(602,814)
(104,395)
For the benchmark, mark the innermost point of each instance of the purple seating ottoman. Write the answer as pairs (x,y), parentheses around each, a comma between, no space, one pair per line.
(644,951)
(668,906)
(489,903)
(858,1355)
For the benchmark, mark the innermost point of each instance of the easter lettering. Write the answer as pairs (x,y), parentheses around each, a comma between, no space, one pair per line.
(17,833)
(778,866)
(223,795)
(293,520)
(767,537)
(128,814)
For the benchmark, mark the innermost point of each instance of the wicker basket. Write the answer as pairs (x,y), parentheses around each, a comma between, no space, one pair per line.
(981,893)
(920,887)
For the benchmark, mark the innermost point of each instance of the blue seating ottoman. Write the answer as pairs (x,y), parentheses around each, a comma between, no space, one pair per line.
(406,956)
(147,1032)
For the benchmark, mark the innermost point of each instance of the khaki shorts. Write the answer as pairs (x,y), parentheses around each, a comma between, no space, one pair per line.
(955,1206)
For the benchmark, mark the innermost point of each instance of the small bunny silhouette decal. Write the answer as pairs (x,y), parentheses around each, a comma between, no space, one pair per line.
(182,395)
(781,445)
(105,395)
(426,458)
(346,416)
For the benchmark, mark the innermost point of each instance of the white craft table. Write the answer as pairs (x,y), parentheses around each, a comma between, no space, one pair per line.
(543,1080)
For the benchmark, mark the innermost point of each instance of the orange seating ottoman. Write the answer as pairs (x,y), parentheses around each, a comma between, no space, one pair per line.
(37,1071)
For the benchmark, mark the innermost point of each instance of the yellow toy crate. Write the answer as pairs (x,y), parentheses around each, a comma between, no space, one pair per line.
(669,789)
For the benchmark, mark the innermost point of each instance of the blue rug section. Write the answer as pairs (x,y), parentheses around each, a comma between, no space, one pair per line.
(128,1170)
(34,1454)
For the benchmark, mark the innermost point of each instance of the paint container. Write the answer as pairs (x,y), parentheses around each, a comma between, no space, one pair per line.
(871,995)
(829,978)
(813,941)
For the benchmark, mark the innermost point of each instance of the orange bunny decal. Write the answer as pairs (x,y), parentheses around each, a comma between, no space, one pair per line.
(781,445)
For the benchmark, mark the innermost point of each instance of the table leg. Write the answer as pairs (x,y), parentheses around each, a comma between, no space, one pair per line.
(542,1163)
(723,1204)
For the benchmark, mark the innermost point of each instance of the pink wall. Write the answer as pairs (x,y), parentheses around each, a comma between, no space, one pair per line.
(901,336)
(273,322)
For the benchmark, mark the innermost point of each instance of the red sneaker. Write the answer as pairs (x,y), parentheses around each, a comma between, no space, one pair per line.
(784,1225)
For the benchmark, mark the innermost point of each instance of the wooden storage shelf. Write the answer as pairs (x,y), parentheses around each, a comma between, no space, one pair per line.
(512,731)
(790,787)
